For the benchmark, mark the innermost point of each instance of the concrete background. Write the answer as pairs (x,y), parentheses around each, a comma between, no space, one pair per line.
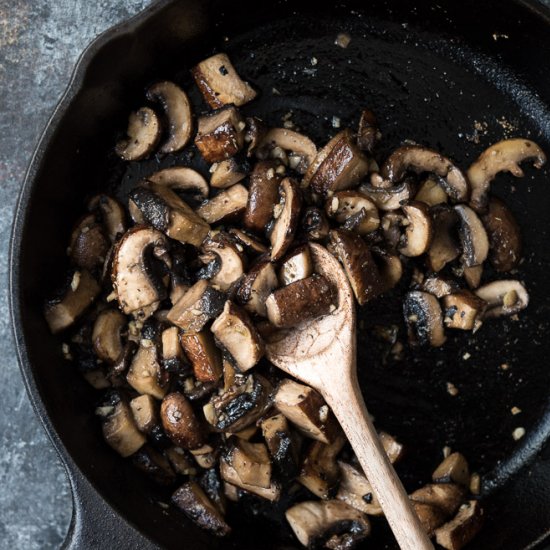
(40,41)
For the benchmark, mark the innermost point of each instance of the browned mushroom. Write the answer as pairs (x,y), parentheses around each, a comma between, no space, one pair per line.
(387,198)
(154,464)
(145,410)
(227,173)
(220,134)
(307,410)
(236,333)
(179,421)
(301,149)
(463,528)
(173,358)
(256,286)
(254,133)
(300,302)
(181,178)
(206,456)
(418,230)
(446,496)
(424,319)
(281,443)
(88,245)
(463,310)
(431,517)
(431,192)
(227,205)
(220,83)
(296,265)
(111,213)
(443,248)
(144,374)
(393,448)
(355,490)
(504,236)
(390,225)
(504,156)
(389,267)
(180,461)
(286,215)
(251,462)
(177,110)
(473,237)
(224,252)
(106,335)
(503,298)
(315,224)
(368,133)
(339,165)
(205,357)
(344,204)
(419,159)
(472,275)
(453,469)
(248,241)
(143,135)
(439,286)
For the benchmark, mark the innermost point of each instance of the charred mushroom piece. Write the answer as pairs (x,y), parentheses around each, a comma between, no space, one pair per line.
(302,150)
(63,310)
(463,310)
(248,241)
(418,231)
(343,205)
(223,250)
(360,267)
(146,413)
(251,462)
(473,237)
(431,193)
(307,410)
(368,133)
(446,496)
(339,165)
(192,500)
(504,156)
(297,265)
(203,354)
(443,248)
(165,211)
(144,374)
(463,528)
(424,319)
(454,469)
(263,195)
(181,178)
(328,524)
(227,205)
(226,173)
(281,443)
(89,245)
(220,135)
(196,307)
(240,406)
(137,275)
(300,302)
(118,426)
(111,213)
(387,198)
(504,236)
(417,159)
(173,358)
(287,215)
(256,286)
(431,517)
(143,135)
(106,335)
(177,110)
(179,422)
(439,286)
(315,224)
(503,298)
(355,490)
(155,465)
(236,333)
(220,84)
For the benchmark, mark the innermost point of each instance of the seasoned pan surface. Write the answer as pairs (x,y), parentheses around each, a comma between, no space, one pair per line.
(449,77)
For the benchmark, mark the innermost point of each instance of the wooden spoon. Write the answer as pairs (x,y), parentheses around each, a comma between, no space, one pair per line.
(322,354)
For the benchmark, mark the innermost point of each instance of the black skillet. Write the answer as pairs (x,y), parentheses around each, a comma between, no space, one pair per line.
(433,72)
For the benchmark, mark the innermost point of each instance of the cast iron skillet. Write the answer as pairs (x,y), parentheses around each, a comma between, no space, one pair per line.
(432,73)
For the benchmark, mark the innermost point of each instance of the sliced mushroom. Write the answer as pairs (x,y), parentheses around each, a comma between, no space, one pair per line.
(439,286)
(281,443)
(417,159)
(167,212)
(220,135)
(389,267)
(88,245)
(424,319)
(339,165)
(212,484)
(387,198)
(206,456)
(180,423)
(431,192)
(227,173)
(136,275)
(248,241)
(177,110)
(345,204)
(473,237)
(239,406)
(72,301)
(181,178)
(143,135)
(418,231)
(180,461)
(251,462)
(360,267)
(146,413)
(112,215)
(453,469)
(173,358)
(354,489)
(227,205)
(504,236)
(236,333)
(503,298)
(256,286)
(430,517)
(118,426)
(463,528)
(287,215)
(203,354)
(220,84)
(106,335)
(504,156)
(446,496)
(463,310)
(368,133)
(144,374)
(155,465)
(301,149)
(393,448)
(391,228)
(300,302)
(223,250)
(297,265)
(315,224)
(254,133)
(307,410)
(328,524)
(192,500)
(443,248)
(472,275)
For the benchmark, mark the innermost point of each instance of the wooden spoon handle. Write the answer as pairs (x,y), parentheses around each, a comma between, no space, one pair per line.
(346,401)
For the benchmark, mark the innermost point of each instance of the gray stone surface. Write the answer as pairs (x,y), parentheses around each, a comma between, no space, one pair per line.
(40,41)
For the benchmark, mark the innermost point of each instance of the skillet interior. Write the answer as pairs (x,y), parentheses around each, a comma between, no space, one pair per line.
(429,75)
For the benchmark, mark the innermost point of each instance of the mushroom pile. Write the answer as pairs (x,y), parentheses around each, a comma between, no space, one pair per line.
(172,295)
